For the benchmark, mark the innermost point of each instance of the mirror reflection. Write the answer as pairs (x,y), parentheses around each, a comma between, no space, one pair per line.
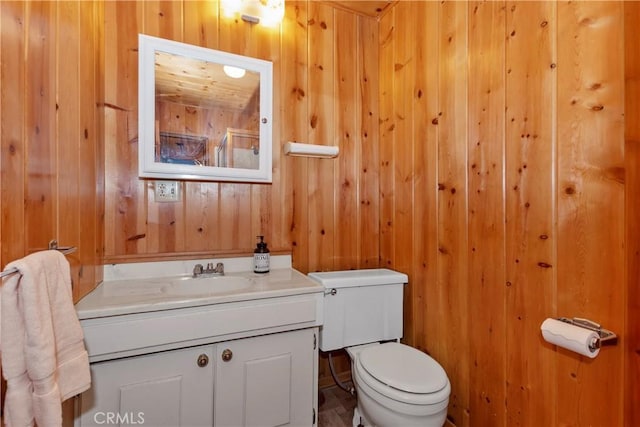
(203,114)
(207,114)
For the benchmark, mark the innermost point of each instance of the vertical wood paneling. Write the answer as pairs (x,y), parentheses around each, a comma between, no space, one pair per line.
(309,209)
(68,130)
(202,18)
(276,203)
(486,211)
(403,164)
(385,132)
(347,233)
(632,210)
(40,148)
(12,107)
(321,131)
(163,19)
(490,253)
(451,287)
(590,201)
(422,139)
(367,157)
(425,317)
(125,213)
(212,217)
(530,209)
(267,200)
(91,149)
(294,95)
(528,150)
(50,163)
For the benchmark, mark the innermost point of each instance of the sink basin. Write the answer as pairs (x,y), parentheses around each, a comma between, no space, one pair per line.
(190,286)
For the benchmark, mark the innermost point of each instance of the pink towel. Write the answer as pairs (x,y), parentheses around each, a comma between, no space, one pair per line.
(43,356)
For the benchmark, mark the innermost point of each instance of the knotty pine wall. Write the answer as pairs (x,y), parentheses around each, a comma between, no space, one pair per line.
(421,121)
(502,195)
(51,171)
(632,211)
(320,97)
(323,210)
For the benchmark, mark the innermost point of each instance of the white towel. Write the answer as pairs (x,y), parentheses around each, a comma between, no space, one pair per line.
(43,356)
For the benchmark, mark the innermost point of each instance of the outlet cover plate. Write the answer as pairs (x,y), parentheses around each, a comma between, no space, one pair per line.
(167,191)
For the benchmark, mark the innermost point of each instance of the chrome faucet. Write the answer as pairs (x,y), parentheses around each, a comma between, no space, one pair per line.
(210,270)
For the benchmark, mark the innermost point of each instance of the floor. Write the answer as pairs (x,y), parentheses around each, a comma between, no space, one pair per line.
(335,407)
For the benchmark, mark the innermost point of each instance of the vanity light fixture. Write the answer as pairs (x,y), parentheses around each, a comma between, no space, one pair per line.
(266,12)
(234,72)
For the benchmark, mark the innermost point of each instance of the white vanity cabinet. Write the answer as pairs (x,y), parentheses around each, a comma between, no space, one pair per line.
(171,388)
(231,359)
(265,381)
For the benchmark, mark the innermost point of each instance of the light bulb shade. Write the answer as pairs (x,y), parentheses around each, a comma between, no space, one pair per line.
(234,72)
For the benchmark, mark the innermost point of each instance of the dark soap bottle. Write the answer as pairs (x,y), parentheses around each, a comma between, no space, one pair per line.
(261,257)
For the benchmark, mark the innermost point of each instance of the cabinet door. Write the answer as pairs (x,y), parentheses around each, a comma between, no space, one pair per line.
(172,388)
(266,380)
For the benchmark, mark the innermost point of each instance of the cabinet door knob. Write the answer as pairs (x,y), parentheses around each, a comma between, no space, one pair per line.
(227,354)
(203,360)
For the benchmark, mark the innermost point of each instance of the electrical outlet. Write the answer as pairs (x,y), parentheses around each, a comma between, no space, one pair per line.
(167,191)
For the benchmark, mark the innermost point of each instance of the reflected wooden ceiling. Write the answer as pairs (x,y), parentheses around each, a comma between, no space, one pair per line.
(203,84)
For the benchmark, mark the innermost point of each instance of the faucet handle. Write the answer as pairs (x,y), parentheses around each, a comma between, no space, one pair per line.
(220,267)
(197,270)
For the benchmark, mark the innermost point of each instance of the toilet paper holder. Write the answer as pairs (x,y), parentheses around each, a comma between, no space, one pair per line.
(606,337)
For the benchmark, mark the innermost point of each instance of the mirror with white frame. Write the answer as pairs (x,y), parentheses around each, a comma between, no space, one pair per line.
(203,114)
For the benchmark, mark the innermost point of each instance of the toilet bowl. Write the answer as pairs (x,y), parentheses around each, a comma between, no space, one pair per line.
(397,385)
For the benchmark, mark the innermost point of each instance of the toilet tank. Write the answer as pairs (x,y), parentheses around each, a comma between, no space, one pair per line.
(360,306)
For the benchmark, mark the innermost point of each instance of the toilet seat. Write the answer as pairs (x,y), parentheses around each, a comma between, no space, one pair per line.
(403,373)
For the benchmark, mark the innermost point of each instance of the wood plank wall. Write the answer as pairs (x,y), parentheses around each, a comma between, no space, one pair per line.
(502,188)
(323,211)
(485,159)
(212,218)
(316,108)
(51,172)
(632,206)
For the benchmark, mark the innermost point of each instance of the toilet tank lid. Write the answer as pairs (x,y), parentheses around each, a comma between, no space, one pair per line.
(364,277)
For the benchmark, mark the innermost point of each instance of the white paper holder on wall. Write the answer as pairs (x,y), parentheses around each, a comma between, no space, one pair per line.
(310,150)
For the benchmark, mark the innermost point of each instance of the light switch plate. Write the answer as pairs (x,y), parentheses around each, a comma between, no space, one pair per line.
(167,191)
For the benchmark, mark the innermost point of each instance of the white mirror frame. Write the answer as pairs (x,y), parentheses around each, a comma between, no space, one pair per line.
(147,166)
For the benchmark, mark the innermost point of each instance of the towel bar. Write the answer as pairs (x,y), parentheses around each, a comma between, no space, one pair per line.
(53,245)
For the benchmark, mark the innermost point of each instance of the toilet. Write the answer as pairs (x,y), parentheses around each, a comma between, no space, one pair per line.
(396,385)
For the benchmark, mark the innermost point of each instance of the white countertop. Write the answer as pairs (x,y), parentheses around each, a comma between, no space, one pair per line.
(147,287)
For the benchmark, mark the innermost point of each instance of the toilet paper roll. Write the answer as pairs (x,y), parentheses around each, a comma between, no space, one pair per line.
(570,336)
